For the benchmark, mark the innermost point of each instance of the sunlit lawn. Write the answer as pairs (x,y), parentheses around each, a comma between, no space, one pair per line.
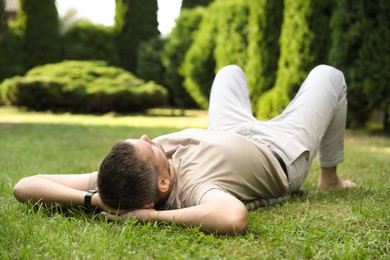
(349,224)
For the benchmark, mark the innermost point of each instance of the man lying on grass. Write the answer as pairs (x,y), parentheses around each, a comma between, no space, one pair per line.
(210,178)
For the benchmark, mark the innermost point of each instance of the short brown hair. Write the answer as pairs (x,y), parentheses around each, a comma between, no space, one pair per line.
(125,181)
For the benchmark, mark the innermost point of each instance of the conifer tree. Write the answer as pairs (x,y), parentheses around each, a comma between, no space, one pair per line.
(199,62)
(179,41)
(361,49)
(135,22)
(265,20)
(232,33)
(40,25)
(303,20)
(3,20)
(189,4)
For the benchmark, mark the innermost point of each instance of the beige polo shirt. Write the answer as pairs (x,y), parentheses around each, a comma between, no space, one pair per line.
(205,160)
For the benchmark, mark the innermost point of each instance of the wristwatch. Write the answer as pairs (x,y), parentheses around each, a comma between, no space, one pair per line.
(88,198)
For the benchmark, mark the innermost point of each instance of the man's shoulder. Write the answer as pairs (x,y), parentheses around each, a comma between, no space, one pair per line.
(195,132)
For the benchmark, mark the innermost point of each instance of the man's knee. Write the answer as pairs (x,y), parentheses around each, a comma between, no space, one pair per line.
(327,70)
(230,70)
(230,78)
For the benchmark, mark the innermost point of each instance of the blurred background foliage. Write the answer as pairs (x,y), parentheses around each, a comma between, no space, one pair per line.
(276,42)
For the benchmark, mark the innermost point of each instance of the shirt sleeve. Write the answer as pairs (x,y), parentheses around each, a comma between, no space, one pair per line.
(203,189)
(92,184)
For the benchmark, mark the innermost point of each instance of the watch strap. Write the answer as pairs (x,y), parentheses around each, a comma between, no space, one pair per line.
(88,198)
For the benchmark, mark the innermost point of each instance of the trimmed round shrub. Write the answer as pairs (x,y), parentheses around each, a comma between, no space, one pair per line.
(82,87)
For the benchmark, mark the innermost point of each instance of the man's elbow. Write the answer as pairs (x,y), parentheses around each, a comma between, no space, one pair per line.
(241,221)
(237,219)
(19,190)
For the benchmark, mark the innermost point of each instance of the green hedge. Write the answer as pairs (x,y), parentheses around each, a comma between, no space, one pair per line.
(82,87)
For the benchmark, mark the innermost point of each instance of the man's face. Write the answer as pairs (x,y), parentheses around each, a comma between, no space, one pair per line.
(149,150)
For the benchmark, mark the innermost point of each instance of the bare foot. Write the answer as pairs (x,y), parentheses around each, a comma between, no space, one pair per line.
(330,181)
(335,184)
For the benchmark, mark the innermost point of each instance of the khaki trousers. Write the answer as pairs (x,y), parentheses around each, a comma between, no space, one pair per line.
(313,122)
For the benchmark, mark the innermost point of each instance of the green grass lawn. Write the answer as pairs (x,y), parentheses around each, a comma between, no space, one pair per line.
(348,224)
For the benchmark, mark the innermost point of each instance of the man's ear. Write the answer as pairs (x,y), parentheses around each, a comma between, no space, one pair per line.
(163,184)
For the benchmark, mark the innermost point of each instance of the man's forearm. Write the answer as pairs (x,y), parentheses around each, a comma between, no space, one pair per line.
(48,192)
(218,216)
